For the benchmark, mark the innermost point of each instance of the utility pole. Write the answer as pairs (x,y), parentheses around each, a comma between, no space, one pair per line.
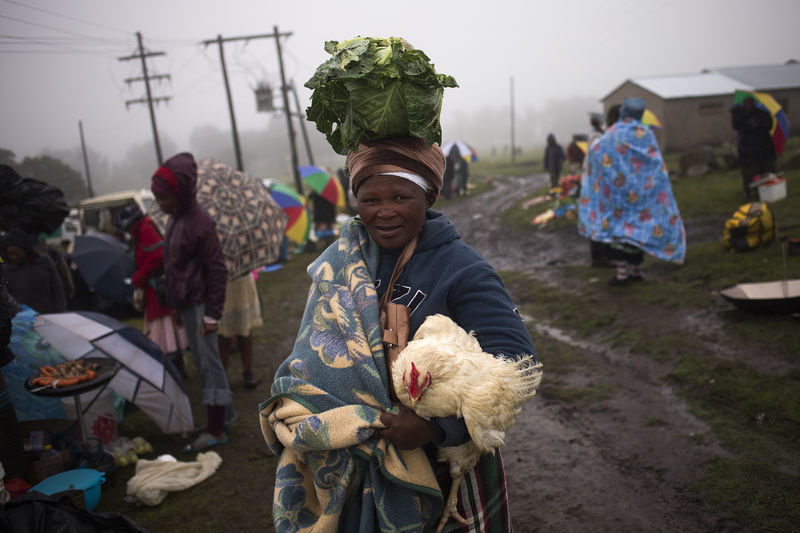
(284,90)
(275,35)
(301,119)
(513,141)
(85,160)
(236,147)
(142,55)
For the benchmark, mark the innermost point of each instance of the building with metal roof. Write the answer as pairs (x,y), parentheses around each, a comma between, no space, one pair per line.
(694,108)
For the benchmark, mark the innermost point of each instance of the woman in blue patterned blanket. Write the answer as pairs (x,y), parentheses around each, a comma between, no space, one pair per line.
(350,460)
(626,197)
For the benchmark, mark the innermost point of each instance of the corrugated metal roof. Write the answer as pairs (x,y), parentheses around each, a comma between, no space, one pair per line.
(765,77)
(691,85)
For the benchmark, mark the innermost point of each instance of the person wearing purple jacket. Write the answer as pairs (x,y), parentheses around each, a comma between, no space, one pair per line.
(195,287)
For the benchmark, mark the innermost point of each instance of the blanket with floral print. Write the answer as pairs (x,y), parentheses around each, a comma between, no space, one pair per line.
(326,401)
(626,196)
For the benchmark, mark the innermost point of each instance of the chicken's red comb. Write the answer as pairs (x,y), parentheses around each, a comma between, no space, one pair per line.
(413,389)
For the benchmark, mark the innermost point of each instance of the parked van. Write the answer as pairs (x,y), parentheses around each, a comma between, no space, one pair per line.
(96,214)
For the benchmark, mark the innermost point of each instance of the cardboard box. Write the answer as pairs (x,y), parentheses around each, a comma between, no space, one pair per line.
(43,468)
(58,433)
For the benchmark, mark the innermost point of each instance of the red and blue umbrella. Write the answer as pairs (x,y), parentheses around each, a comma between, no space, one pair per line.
(294,205)
(324,184)
(780,123)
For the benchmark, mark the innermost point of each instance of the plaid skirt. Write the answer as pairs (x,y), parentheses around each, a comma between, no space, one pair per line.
(482,497)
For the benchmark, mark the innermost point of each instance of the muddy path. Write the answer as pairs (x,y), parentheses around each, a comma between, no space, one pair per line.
(603,467)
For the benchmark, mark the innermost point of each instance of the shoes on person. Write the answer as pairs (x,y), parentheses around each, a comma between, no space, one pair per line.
(249,381)
(204,441)
(618,282)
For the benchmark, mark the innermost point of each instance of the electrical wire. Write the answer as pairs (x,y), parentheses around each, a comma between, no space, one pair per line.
(44,26)
(76,19)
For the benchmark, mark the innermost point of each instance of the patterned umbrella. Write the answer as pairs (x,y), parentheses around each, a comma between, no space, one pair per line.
(250,224)
(294,205)
(323,184)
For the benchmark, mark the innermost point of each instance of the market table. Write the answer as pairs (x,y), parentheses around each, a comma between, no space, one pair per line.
(105,372)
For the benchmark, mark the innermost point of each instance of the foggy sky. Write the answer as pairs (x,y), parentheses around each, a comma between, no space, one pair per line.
(61,65)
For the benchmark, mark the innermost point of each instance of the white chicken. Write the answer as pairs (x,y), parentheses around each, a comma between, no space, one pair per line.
(443,372)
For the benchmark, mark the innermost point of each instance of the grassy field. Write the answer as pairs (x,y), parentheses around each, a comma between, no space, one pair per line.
(759,482)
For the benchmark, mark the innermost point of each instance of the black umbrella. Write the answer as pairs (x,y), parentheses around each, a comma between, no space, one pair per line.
(105,264)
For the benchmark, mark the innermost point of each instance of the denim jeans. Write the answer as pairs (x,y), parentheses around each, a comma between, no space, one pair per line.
(205,354)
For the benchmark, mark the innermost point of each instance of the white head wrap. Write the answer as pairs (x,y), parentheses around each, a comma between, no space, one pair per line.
(413,178)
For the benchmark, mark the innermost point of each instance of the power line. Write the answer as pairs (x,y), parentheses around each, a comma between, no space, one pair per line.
(14,44)
(42,26)
(76,19)
(63,40)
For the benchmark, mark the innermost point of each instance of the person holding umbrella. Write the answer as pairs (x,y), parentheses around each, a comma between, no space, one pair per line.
(754,142)
(195,286)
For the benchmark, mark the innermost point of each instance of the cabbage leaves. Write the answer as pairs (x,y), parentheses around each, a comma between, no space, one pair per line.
(373,88)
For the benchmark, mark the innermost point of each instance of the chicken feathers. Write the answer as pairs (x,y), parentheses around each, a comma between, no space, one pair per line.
(443,372)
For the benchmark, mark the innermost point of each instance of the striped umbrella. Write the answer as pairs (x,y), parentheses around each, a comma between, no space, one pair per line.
(294,205)
(323,184)
(780,123)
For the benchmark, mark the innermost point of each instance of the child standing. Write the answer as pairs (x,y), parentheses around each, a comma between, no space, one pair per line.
(241,313)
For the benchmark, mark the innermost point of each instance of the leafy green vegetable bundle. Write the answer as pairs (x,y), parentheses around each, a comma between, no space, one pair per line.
(376,88)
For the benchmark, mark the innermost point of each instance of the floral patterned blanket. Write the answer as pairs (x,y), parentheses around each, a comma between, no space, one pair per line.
(626,196)
(326,401)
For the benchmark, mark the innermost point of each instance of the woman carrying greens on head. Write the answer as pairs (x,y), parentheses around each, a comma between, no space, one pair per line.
(331,394)
(350,457)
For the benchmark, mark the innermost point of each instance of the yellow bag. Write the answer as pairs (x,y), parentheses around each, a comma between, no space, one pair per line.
(749,227)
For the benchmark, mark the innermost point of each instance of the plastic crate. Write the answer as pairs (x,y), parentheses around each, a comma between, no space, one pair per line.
(772,190)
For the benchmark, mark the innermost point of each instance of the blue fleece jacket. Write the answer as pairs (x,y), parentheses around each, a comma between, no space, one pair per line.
(445,275)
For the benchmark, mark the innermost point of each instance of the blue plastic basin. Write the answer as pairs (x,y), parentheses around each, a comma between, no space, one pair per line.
(86,479)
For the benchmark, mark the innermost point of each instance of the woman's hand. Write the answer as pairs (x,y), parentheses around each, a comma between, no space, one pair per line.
(208,327)
(406,430)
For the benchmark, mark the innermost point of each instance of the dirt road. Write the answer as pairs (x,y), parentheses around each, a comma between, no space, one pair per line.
(605,467)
